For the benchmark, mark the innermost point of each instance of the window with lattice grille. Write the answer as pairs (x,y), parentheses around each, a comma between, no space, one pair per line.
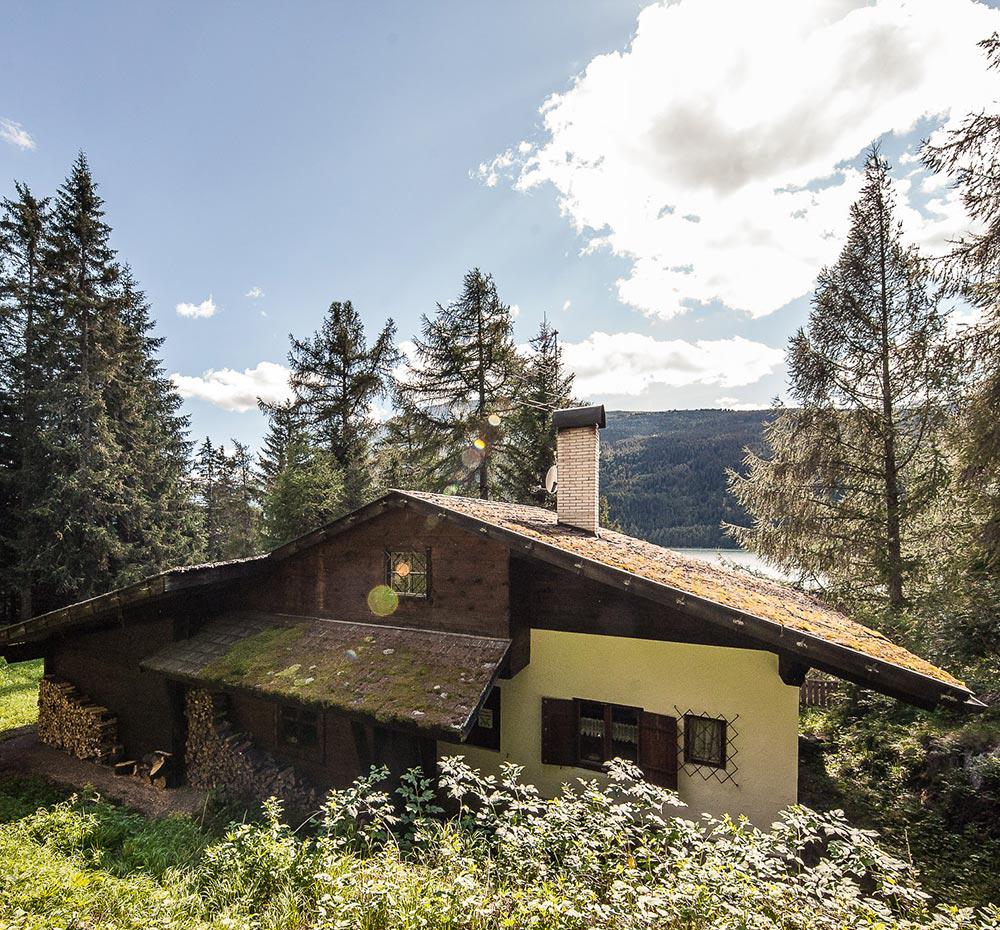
(705,741)
(408,572)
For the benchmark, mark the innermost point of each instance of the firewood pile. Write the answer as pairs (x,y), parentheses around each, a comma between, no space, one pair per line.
(68,721)
(217,756)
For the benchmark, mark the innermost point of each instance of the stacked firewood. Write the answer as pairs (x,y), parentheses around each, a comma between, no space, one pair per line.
(68,721)
(217,756)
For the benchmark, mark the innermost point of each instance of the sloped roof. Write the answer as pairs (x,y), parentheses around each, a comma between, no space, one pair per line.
(423,679)
(748,594)
(775,615)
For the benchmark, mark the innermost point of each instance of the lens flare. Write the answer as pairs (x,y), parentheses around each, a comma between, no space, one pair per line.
(382,600)
(479,444)
(472,458)
(493,419)
(403,569)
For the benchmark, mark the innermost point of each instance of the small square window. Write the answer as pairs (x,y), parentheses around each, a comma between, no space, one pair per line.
(705,741)
(407,573)
(298,727)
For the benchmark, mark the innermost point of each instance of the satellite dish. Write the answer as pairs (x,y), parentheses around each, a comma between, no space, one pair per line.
(551,480)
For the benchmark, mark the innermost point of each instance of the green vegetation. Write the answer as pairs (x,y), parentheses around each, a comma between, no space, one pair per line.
(19,693)
(612,857)
(664,473)
(929,783)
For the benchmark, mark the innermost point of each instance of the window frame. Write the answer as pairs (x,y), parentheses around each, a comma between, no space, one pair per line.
(690,758)
(311,749)
(389,573)
(607,735)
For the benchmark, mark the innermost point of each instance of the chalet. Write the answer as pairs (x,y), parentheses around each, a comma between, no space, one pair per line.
(422,625)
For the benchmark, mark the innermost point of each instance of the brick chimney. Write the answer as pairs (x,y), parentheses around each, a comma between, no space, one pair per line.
(577,457)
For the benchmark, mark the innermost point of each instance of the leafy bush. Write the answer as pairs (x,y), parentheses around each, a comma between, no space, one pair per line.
(497,855)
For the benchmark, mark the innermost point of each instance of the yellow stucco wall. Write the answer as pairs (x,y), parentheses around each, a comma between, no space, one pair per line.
(664,678)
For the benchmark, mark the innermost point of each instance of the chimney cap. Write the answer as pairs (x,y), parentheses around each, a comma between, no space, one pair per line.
(580,416)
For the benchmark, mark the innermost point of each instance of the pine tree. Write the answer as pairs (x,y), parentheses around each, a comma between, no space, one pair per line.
(23,230)
(461,384)
(306,493)
(852,470)
(336,377)
(530,440)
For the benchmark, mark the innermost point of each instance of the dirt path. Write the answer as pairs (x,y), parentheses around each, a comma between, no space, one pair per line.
(22,754)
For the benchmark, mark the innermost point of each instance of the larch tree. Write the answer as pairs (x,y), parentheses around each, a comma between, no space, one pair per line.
(970,157)
(461,384)
(530,441)
(853,467)
(337,377)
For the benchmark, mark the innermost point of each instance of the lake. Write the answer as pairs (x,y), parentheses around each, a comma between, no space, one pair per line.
(738,557)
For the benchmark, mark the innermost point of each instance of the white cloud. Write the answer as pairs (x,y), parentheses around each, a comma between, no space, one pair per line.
(16,134)
(200,311)
(629,363)
(515,311)
(712,151)
(734,403)
(254,293)
(237,390)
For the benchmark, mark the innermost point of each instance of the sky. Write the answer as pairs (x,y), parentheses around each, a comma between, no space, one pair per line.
(662,181)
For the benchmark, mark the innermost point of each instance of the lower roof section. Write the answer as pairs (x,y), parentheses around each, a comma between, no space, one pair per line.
(423,679)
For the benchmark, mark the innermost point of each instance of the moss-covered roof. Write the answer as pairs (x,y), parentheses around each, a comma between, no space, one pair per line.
(416,678)
(730,587)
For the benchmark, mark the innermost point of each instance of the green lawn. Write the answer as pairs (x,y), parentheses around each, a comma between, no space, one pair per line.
(19,693)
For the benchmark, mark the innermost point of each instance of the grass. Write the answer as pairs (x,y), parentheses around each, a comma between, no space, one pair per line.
(19,693)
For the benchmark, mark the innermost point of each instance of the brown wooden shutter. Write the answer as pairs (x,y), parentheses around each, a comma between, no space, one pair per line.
(658,749)
(558,731)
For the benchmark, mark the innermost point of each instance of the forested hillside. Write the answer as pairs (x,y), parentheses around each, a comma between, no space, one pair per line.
(664,472)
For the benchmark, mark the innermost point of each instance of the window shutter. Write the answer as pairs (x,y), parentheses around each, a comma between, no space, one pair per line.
(658,749)
(558,731)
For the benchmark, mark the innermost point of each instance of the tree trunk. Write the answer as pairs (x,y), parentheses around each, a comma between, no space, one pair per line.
(894,567)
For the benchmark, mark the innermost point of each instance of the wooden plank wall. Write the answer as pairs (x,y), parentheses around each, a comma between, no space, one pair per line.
(103,664)
(469,585)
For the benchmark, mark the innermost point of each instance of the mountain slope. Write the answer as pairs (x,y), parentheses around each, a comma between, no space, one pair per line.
(664,472)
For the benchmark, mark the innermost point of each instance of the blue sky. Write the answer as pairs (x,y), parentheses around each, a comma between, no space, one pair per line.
(320,151)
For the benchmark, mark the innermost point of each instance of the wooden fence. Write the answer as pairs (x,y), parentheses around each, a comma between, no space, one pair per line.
(817,692)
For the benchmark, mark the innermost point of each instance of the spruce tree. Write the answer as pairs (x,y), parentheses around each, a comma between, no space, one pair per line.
(226,494)
(337,376)
(77,550)
(530,439)
(853,468)
(284,426)
(23,230)
(461,385)
(158,523)
(307,492)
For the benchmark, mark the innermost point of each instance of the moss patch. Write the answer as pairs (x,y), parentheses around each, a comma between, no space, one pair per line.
(392,675)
